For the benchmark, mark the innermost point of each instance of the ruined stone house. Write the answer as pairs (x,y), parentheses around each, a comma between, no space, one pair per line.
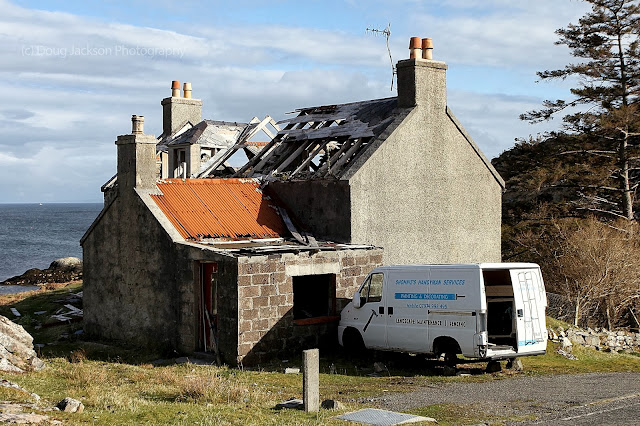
(192,254)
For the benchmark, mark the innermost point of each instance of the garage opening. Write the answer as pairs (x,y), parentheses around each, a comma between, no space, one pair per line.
(314,298)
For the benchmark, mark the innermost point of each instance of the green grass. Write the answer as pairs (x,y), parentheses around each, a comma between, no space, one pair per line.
(120,386)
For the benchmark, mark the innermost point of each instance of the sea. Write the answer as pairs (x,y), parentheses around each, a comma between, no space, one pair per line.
(34,235)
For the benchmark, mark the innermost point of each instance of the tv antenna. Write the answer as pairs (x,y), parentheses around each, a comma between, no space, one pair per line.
(386,33)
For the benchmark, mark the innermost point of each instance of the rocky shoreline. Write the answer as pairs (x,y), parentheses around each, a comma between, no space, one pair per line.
(61,270)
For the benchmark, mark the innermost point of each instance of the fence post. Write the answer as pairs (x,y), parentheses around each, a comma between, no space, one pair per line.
(311,380)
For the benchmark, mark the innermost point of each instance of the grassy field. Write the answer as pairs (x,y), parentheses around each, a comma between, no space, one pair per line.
(126,386)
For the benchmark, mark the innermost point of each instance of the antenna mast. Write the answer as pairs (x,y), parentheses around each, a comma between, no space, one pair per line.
(387,33)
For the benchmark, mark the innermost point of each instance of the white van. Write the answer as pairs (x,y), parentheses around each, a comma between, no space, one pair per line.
(488,311)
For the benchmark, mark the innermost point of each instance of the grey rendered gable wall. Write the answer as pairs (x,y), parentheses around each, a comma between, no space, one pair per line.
(136,280)
(426,196)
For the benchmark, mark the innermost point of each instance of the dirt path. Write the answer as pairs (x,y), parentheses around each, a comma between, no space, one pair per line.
(568,399)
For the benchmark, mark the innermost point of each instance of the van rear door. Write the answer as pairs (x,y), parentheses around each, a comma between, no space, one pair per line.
(530,302)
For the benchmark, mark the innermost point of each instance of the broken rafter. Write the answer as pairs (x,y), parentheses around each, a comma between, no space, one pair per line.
(255,126)
(305,163)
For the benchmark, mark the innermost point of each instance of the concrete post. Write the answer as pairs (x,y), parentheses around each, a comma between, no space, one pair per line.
(311,380)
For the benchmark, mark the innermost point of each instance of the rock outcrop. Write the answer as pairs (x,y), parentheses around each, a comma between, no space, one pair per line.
(16,349)
(59,271)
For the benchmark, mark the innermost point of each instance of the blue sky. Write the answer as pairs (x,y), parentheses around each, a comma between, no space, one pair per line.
(75,71)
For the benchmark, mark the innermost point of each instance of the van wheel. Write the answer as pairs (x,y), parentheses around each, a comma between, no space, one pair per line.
(353,343)
(450,359)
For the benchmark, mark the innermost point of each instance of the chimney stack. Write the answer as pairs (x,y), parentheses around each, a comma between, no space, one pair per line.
(177,110)
(136,158)
(421,80)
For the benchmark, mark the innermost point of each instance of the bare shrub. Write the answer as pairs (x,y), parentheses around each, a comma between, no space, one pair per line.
(79,355)
(595,264)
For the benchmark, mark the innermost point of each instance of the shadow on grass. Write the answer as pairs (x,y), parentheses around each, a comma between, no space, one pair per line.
(376,364)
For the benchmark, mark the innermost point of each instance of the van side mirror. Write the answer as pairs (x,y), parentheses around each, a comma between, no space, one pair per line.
(357,302)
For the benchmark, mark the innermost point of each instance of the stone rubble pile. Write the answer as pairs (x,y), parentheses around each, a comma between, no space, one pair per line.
(599,339)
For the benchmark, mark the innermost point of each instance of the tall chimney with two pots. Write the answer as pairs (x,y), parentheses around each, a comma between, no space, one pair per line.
(178,111)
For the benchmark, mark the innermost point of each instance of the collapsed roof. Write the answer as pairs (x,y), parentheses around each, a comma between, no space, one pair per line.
(319,142)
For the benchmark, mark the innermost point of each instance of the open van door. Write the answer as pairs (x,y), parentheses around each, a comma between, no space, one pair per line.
(530,303)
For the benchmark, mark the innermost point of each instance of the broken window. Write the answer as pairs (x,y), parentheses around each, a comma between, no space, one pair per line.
(314,296)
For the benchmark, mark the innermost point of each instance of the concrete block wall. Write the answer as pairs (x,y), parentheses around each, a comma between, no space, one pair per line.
(266,327)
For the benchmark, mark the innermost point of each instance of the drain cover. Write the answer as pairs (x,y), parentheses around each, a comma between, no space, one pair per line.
(373,416)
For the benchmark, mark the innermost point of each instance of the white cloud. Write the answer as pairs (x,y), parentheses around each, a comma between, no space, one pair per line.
(73,82)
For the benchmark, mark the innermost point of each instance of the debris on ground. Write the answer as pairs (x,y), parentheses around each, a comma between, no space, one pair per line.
(567,355)
(293,403)
(331,404)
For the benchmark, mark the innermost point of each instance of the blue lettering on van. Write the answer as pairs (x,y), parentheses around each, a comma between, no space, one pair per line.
(454,282)
(425,296)
(406,282)
(526,342)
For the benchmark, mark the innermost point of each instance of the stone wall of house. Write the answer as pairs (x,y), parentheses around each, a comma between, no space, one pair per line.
(136,281)
(266,325)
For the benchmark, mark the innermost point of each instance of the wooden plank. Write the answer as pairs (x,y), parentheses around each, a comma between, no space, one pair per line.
(295,155)
(71,307)
(283,152)
(290,226)
(262,156)
(305,163)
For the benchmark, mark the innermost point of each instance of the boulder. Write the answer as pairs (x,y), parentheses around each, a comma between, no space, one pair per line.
(66,264)
(70,405)
(566,344)
(16,349)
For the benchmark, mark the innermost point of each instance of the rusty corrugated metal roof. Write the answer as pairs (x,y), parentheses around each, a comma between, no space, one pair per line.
(231,209)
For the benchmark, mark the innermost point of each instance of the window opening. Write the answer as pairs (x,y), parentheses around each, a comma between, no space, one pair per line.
(314,296)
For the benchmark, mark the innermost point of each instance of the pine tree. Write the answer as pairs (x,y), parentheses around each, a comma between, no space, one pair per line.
(604,109)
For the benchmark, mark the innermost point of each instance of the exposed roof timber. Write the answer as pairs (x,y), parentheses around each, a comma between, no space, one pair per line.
(349,127)
(254,127)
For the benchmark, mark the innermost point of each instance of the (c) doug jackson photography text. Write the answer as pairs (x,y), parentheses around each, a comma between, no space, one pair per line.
(87,50)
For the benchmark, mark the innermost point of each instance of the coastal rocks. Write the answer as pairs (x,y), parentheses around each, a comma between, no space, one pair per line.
(59,271)
(599,339)
(16,349)
(66,264)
